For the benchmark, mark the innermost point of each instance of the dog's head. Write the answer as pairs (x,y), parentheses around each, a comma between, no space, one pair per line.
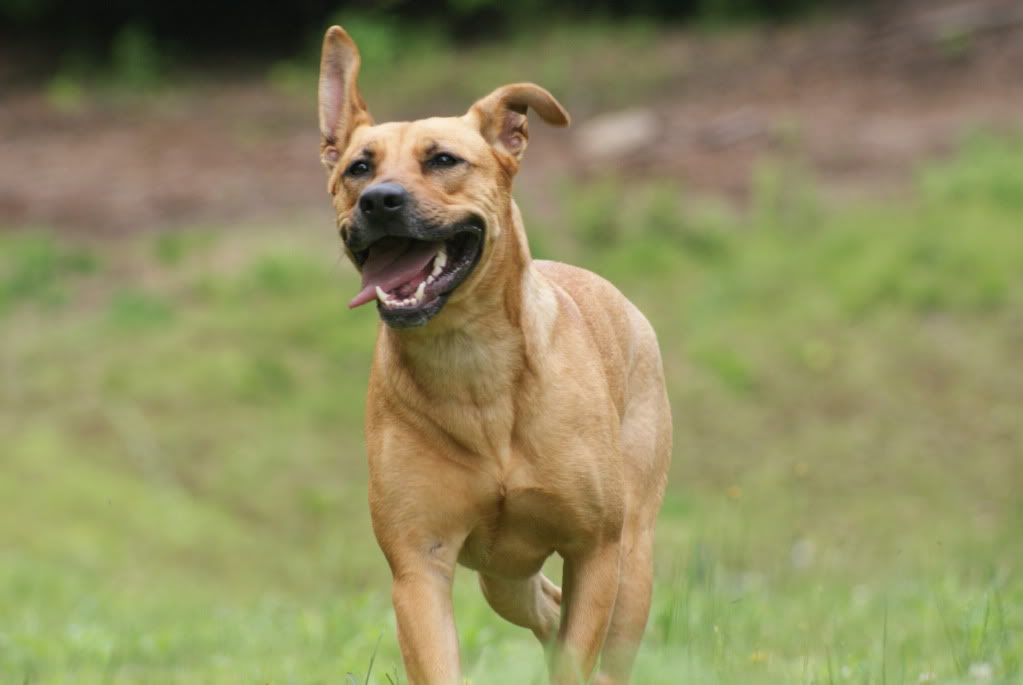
(422,205)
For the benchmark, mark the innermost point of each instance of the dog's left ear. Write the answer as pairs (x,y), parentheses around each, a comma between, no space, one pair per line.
(342,108)
(501,116)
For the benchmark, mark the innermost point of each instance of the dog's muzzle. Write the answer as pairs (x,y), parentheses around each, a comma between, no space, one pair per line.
(410,266)
(384,210)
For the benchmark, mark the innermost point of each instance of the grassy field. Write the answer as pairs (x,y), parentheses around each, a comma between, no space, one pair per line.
(182,485)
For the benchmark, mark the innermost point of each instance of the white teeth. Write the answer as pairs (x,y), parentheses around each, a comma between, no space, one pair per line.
(408,301)
(440,261)
(431,278)
(387,299)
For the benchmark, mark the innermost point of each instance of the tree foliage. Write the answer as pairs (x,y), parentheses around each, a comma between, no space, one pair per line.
(261,27)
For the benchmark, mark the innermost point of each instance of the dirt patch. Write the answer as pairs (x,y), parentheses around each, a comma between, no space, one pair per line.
(858,102)
(228,154)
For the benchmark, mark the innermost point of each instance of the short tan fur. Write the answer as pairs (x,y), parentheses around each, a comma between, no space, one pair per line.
(528,417)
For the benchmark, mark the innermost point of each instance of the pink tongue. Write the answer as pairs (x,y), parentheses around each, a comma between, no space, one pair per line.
(392,262)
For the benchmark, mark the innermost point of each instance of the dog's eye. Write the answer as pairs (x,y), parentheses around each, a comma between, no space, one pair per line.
(443,160)
(358,168)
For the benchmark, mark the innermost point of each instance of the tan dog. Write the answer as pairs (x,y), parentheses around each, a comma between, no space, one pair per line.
(516,408)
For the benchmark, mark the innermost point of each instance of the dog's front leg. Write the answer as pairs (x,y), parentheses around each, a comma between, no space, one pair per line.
(421,592)
(419,504)
(588,598)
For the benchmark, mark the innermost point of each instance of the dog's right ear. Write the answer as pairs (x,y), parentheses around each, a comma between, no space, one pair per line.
(342,109)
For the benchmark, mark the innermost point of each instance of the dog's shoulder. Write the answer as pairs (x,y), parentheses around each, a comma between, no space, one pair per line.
(575,279)
(615,325)
(596,297)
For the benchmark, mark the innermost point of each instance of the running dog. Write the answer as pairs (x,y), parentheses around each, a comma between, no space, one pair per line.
(516,408)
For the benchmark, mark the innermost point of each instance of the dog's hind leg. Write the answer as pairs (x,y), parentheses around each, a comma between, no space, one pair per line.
(533,603)
(632,605)
(646,443)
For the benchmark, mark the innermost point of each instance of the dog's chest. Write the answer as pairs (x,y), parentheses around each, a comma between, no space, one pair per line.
(524,524)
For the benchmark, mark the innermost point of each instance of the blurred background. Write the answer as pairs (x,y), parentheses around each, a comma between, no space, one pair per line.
(819,206)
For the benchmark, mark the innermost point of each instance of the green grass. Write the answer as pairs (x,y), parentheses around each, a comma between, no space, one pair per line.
(183,481)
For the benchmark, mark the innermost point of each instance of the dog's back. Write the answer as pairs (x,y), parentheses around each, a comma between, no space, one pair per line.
(631,363)
(622,334)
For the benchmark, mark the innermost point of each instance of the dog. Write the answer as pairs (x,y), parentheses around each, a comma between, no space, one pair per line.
(516,408)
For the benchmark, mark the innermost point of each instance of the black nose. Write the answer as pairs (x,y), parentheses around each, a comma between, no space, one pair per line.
(383,199)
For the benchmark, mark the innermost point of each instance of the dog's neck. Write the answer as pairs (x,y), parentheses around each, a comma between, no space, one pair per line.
(477,349)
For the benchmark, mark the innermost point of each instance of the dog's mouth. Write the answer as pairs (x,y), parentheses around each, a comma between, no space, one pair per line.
(411,278)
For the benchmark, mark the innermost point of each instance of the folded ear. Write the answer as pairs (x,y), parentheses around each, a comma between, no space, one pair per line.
(342,109)
(501,116)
